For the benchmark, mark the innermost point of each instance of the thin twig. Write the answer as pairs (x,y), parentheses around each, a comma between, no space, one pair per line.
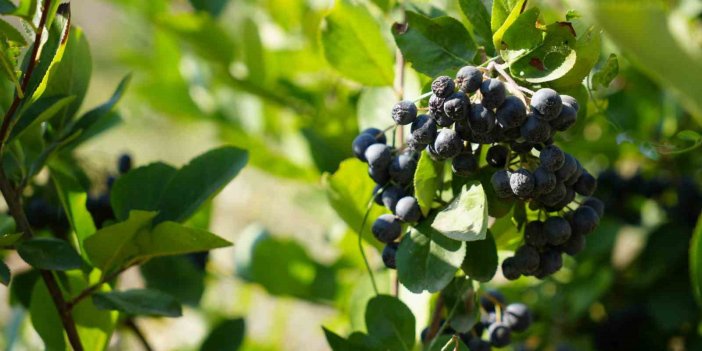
(360,242)
(139,334)
(511,84)
(33,59)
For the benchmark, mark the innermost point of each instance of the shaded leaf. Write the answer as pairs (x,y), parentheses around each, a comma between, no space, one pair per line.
(478,23)
(434,45)
(5,274)
(49,253)
(696,261)
(466,217)
(390,323)
(45,318)
(481,262)
(354,45)
(176,276)
(460,297)
(38,112)
(213,7)
(202,33)
(606,75)
(140,189)
(9,239)
(139,302)
(428,260)
(226,335)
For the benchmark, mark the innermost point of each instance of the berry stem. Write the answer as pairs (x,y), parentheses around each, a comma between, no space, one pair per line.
(422,97)
(513,86)
(360,241)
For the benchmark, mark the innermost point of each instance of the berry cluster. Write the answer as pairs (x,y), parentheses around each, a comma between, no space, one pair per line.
(462,115)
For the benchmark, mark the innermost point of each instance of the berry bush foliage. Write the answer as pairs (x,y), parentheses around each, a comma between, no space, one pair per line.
(79,235)
(474,166)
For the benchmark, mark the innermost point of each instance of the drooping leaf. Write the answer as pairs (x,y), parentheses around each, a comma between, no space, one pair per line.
(73,199)
(49,253)
(390,323)
(606,75)
(349,190)
(71,76)
(226,335)
(696,261)
(139,302)
(427,259)
(354,45)
(478,23)
(5,274)
(434,45)
(480,262)
(140,189)
(38,112)
(466,217)
(199,180)
(45,318)
(428,178)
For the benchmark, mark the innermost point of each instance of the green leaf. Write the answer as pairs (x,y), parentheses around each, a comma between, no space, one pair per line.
(134,240)
(357,341)
(460,298)
(71,76)
(213,7)
(521,37)
(478,23)
(6,7)
(696,261)
(38,112)
(354,45)
(349,191)
(466,217)
(45,318)
(9,239)
(689,135)
(139,302)
(5,274)
(95,327)
(606,75)
(428,178)
(668,29)
(51,52)
(226,335)
(434,45)
(587,51)
(8,32)
(390,323)
(22,287)
(283,267)
(553,59)
(202,33)
(199,180)
(26,8)
(427,259)
(93,121)
(176,276)
(49,253)
(504,13)
(74,200)
(480,262)
(373,106)
(140,189)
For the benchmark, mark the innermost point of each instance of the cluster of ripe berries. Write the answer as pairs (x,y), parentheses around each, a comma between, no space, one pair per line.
(463,114)
(498,321)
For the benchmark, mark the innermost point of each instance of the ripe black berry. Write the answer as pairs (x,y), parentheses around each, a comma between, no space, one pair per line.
(574,245)
(585,220)
(380,176)
(511,269)
(389,254)
(535,130)
(499,334)
(522,182)
(390,196)
(404,112)
(448,144)
(534,234)
(468,79)
(124,164)
(544,181)
(494,93)
(500,181)
(512,113)
(565,119)
(517,317)
(497,156)
(464,164)
(407,209)
(457,106)
(552,158)
(586,184)
(386,228)
(527,258)
(596,204)
(481,119)
(377,134)
(378,195)
(360,144)
(424,130)
(443,86)
(547,102)
(570,166)
(554,196)
(378,156)
(488,300)
(477,344)
(570,101)
(551,262)
(557,230)
(402,169)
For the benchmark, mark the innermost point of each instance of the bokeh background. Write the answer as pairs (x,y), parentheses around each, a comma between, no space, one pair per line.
(253,74)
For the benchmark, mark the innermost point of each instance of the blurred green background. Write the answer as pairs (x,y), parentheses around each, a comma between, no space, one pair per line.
(254,74)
